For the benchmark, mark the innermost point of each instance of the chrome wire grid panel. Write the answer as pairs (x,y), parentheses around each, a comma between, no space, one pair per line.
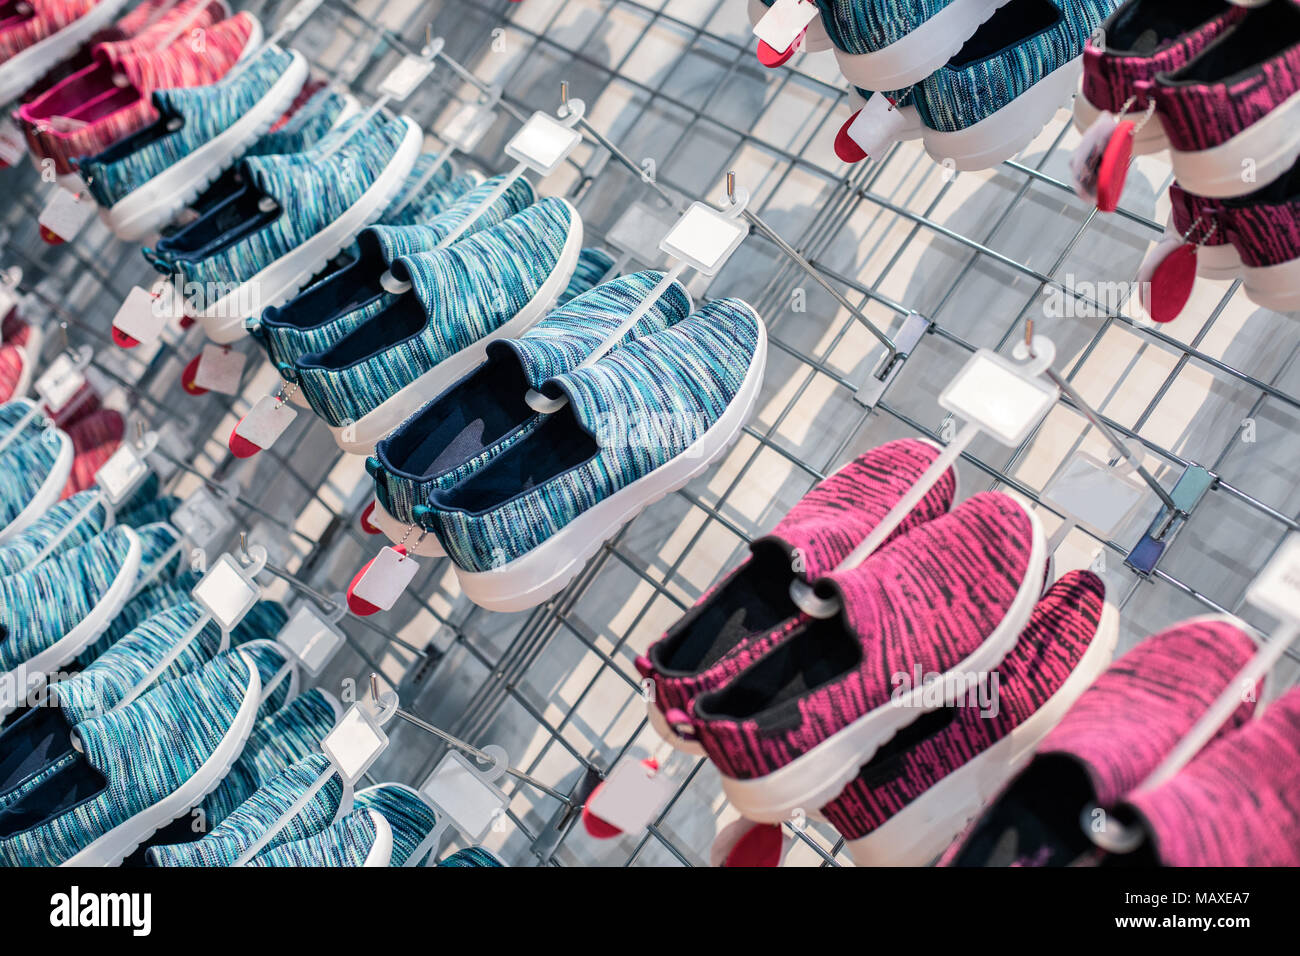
(675,87)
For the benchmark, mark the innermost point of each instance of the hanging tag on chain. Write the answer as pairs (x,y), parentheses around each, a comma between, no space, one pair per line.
(378,585)
(218,368)
(64,216)
(873,129)
(202,518)
(781,29)
(1085,161)
(258,430)
(403,79)
(12,145)
(1168,273)
(228,592)
(354,744)
(310,638)
(632,796)
(143,315)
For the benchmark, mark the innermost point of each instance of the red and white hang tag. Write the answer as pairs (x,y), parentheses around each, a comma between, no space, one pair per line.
(871,130)
(12,145)
(629,799)
(744,843)
(218,368)
(1099,165)
(781,29)
(378,585)
(143,315)
(65,215)
(1166,278)
(258,430)
(366,525)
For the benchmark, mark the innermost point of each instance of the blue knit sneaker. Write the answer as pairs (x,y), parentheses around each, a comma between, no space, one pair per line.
(246,824)
(50,613)
(409,816)
(640,422)
(33,471)
(425,195)
(362,838)
(23,548)
(494,284)
(163,592)
(322,314)
(484,413)
(145,179)
(472,856)
(141,767)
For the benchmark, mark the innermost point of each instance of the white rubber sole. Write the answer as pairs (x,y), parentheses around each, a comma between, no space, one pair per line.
(921,52)
(49,492)
(925,827)
(1150,138)
(381,851)
(121,841)
(815,778)
(543,572)
(26,67)
(816,40)
(361,437)
(998,137)
(1266,149)
(223,320)
(396,530)
(1274,287)
(145,210)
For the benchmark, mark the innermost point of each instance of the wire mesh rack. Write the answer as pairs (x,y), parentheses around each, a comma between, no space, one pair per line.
(674,89)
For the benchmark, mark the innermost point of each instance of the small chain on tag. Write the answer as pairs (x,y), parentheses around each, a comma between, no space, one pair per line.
(381,582)
(265,422)
(142,316)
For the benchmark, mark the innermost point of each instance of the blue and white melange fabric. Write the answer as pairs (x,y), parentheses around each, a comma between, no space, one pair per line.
(409,817)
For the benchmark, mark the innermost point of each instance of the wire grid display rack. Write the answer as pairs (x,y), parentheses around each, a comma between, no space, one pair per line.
(675,87)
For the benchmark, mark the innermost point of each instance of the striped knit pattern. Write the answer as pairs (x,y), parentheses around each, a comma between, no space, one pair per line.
(164,593)
(472,856)
(434,195)
(87,113)
(117,672)
(268,657)
(1120,71)
(11,797)
(1201,108)
(150,511)
(410,818)
(1238,802)
(145,751)
(312,321)
(557,344)
(39,606)
(308,123)
(468,291)
(155,540)
(12,412)
(1060,630)
(312,189)
(25,466)
(1128,721)
(48,17)
(955,97)
(207,111)
(94,440)
(12,362)
(1264,226)
(345,843)
(930,599)
(683,379)
(822,529)
(278,740)
(1186,208)
(593,268)
(866,27)
(22,549)
(244,826)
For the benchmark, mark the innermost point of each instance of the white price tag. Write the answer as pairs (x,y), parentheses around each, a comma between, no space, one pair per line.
(354,744)
(402,80)
(226,592)
(311,639)
(632,796)
(118,477)
(66,213)
(298,15)
(997,396)
(542,144)
(704,238)
(59,383)
(202,518)
(1277,588)
(1096,495)
(266,421)
(784,22)
(466,795)
(468,126)
(144,314)
(878,125)
(386,577)
(12,145)
(220,369)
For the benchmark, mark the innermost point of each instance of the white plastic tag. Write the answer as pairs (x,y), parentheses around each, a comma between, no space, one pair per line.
(1096,495)
(632,796)
(468,126)
(60,382)
(1276,590)
(465,793)
(783,23)
(118,477)
(635,231)
(311,639)
(66,213)
(704,238)
(220,369)
(202,518)
(12,145)
(542,144)
(1004,402)
(266,421)
(1085,161)
(298,15)
(144,314)
(226,592)
(386,578)
(402,80)
(878,125)
(354,744)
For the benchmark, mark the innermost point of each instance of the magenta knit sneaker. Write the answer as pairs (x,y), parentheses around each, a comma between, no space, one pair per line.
(1237,803)
(923,787)
(1139,40)
(750,611)
(951,595)
(1233,112)
(1264,227)
(1108,743)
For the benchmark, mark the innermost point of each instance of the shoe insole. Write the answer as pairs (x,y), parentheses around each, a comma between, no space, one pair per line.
(64,791)
(397,323)
(1263,33)
(1013,23)
(41,736)
(1141,28)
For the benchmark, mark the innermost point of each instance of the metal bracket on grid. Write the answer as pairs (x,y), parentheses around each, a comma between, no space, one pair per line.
(870,386)
(1190,488)
(566,816)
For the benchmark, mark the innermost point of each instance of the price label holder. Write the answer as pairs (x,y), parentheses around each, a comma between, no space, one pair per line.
(544,142)
(297,16)
(311,637)
(633,795)
(9,280)
(63,379)
(66,213)
(469,125)
(1276,589)
(704,237)
(634,231)
(220,369)
(466,793)
(404,78)
(144,314)
(202,518)
(785,22)
(126,469)
(229,590)
(1187,493)
(1004,399)
(1099,497)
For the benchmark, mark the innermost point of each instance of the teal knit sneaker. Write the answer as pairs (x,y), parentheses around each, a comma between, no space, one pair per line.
(246,824)
(472,856)
(424,195)
(362,838)
(23,548)
(409,817)
(144,180)
(163,592)
(494,284)
(640,422)
(33,471)
(322,314)
(141,767)
(484,413)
